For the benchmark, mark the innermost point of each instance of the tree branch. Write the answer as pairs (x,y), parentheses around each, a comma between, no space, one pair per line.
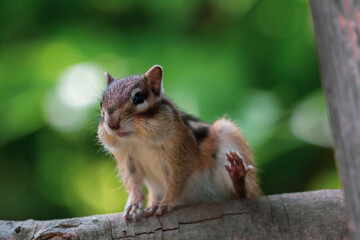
(307,215)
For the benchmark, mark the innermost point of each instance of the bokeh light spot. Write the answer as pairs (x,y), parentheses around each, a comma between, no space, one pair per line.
(79,88)
(309,121)
(80,85)
(259,116)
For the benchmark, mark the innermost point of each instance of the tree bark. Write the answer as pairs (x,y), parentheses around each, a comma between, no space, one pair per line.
(308,215)
(337,35)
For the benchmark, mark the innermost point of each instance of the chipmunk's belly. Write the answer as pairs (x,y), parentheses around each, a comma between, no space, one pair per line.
(212,185)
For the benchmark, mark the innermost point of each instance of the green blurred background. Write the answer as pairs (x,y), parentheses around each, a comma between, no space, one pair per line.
(252,59)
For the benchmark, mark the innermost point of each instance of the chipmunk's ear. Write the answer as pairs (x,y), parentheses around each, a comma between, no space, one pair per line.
(155,76)
(109,78)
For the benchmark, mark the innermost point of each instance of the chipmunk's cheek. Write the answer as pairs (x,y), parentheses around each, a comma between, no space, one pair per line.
(140,129)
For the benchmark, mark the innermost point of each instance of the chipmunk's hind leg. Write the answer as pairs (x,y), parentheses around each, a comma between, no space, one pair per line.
(234,153)
(237,172)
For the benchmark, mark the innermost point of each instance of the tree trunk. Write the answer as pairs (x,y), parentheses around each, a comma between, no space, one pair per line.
(308,215)
(337,35)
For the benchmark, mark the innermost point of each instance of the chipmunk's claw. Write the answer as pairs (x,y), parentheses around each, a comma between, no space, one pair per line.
(134,211)
(158,209)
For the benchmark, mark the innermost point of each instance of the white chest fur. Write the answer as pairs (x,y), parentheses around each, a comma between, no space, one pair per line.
(149,162)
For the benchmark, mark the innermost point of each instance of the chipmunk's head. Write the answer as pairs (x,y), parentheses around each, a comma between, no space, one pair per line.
(128,103)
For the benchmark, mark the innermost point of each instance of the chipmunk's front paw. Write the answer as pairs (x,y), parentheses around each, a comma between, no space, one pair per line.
(158,209)
(134,211)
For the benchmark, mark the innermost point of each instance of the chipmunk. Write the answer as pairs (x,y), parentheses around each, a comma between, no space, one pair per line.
(180,159)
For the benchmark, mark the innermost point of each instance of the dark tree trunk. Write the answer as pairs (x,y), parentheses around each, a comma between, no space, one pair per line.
(337,34)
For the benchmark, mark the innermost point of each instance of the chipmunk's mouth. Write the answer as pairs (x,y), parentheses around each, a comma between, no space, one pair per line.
(122,134)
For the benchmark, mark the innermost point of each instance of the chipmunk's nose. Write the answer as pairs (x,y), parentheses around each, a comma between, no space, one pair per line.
(114,124)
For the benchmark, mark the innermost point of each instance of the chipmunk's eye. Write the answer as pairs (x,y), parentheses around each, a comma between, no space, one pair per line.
(101,104)
(138,98)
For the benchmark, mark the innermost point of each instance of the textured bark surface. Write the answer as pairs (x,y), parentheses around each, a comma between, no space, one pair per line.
(308,215)
(337,35)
